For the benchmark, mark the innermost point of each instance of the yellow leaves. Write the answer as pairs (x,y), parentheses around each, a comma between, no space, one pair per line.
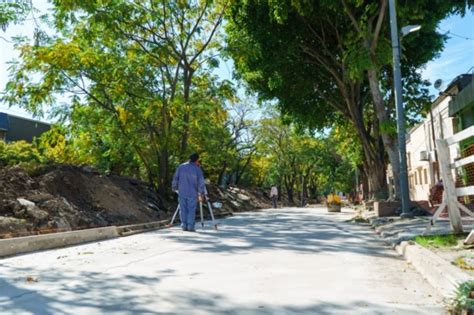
(131,54)
(148,112)
(19,88)
(85,59)
(25,50)
(66,55)
(123,115)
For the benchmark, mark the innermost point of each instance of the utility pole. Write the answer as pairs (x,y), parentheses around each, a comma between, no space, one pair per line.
(397,79)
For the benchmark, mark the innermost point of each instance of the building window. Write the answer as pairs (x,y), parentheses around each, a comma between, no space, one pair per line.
(416,179)
(425,174)
(409,160)
(3,135)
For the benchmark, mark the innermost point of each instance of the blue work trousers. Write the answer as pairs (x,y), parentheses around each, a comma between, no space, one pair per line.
(187,213)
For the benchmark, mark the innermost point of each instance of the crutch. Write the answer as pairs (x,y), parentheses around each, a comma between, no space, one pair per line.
(212,214)
(174,216)
(200,210)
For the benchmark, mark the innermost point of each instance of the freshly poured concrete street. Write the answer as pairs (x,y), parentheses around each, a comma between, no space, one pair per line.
(285,261)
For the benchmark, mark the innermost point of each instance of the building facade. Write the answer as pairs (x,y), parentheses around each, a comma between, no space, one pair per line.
(450,113)
(14,128)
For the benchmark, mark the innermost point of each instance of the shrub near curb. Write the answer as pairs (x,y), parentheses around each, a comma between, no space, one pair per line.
(464,301)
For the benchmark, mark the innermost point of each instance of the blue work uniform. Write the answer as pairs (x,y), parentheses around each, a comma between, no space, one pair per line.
(188,180)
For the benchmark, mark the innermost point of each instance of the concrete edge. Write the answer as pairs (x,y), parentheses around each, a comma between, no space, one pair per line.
(26,244)
(443,276)
(125,230)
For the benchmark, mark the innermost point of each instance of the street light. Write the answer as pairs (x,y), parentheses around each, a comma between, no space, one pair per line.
(397,80)
(409,29)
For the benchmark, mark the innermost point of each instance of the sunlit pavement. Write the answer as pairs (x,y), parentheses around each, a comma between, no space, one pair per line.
(285,261)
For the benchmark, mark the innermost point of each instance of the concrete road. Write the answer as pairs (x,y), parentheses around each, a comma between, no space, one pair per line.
(285,261)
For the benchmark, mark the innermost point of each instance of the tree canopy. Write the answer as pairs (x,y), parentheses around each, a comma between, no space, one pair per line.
(324,60)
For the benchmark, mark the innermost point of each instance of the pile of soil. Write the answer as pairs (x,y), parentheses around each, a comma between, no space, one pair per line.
(63,198)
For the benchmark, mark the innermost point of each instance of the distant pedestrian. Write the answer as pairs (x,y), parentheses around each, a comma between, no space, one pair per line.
(274,195)
(188,182)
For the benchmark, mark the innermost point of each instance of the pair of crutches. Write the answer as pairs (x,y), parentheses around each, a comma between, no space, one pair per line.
(178,209)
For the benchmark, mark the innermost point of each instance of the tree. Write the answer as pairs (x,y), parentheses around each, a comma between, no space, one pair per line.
(13,11)
(299,161)
(137,73)
(320,62)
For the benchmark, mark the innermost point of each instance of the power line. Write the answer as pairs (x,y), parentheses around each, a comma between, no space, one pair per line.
(447,32)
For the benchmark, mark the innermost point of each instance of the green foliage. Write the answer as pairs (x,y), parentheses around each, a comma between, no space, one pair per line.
(325,59)
(298,160)
(54,147)
(19,153)
(138,78)
(13,11)
(438,241)
(464,300)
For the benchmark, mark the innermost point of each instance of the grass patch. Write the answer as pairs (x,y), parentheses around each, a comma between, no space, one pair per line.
(439,241)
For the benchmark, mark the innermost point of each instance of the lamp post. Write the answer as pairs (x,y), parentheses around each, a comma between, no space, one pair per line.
(397,79)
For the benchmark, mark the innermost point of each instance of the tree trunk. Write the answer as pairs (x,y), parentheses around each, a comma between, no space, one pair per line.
(289,189)
(304,193)
(365,183)
(188,74)
(220,180)
(374,165)
(163,174)
(390,141)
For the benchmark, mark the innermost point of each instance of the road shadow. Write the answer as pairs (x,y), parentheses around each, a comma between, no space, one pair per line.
(123,291)
(113,295)
(293,230)
(54,292)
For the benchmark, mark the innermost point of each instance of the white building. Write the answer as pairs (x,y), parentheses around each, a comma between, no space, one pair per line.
(423,171)
(422,162)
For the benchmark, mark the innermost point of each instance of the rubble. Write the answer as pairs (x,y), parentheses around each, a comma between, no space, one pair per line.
(63,198)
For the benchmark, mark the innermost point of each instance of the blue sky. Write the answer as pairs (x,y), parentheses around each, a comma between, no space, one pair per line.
(458,54)
(455,59)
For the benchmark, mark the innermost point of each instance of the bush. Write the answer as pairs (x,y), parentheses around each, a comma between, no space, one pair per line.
(19,153)
(464,300)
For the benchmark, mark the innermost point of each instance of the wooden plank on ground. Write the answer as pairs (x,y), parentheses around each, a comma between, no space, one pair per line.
(470,238)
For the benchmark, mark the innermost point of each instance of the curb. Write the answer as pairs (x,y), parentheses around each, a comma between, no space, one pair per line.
(26,244)
(443,276)
(127,230)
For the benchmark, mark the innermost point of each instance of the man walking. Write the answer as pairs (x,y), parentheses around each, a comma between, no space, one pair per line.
(274,195)
(188,182)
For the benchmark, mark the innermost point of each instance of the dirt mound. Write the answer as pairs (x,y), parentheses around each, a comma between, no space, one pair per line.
(238,199)
(68,197)
(113,199)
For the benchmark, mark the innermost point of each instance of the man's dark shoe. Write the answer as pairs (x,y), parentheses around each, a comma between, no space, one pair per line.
(184,229)
(191,230)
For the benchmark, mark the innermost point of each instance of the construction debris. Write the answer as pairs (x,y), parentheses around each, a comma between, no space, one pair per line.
(64,198)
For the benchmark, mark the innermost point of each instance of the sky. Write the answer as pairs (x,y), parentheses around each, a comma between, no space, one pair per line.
(456,58)
(458,54)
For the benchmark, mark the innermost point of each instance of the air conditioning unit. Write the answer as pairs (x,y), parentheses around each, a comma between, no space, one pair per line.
(424,156)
